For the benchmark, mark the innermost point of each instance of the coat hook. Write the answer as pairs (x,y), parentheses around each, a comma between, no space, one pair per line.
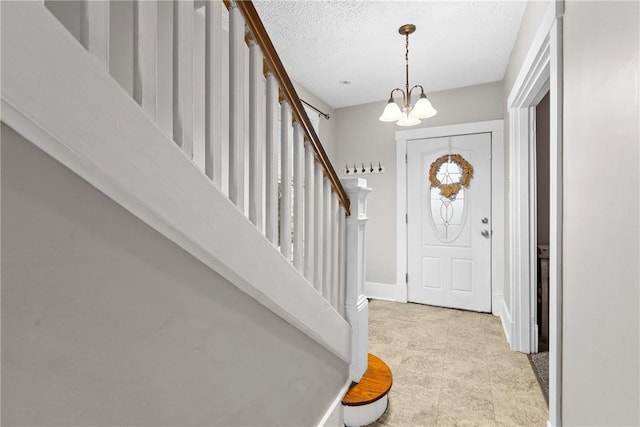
(346,168)
(370,167)
(379,167)
(355,169)
(363,169)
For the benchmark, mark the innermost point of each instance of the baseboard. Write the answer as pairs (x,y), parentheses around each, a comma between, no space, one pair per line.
(507,322)
(496,303)
(385,291)
(334,415)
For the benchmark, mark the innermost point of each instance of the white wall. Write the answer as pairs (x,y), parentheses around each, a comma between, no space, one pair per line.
(106,322)
(361,137)
(601,358)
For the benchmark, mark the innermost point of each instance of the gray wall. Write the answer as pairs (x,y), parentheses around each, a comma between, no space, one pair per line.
(360,136)
(601,359)
(106,322)
(327,131)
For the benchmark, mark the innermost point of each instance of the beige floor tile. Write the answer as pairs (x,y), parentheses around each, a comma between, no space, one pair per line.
(512,373)
(465,423)
(495,346)
(428,360)
(391,354)
(423,340)
(452,368)
(503,382)
(464,387)
(465,406)
(521,409)
(414,405)
(467,366)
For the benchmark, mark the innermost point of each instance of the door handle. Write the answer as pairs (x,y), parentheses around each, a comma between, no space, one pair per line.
(485,233)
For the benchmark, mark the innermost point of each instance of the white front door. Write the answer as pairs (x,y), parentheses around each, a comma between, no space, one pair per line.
(449,221)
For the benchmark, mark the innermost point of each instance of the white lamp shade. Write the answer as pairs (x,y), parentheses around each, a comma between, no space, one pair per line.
(423,109)
(391,113)
(408,120)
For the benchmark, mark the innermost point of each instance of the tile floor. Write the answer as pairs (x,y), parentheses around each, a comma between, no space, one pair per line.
(452,368)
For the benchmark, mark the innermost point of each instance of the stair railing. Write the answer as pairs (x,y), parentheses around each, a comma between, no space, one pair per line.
(208,75)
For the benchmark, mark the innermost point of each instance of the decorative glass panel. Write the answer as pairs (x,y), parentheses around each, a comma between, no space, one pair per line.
(449,176)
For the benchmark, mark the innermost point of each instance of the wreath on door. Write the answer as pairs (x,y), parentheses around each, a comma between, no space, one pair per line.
(451,189)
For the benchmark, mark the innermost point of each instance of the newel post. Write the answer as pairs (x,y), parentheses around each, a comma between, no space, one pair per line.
(356,304)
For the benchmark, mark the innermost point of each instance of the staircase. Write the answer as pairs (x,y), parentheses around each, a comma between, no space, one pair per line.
(367,400)
(182,113)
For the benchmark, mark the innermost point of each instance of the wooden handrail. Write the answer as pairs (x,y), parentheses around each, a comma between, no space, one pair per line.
(261,37)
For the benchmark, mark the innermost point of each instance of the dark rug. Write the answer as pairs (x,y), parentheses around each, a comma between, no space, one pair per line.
(540,364)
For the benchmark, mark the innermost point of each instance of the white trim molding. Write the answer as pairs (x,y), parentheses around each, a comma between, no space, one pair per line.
(334,416)
(505,320)
(541,72)
(385,291)
(404,137)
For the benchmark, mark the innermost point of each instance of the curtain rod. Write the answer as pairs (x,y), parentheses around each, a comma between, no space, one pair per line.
(325,115)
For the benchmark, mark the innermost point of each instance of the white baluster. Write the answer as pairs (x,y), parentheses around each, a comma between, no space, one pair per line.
(335,286)
(298,197)
(145,37)
(309,211)
(342,260)
(237,109)
(285,180)
(94,30)
(164,91)
(213,91)
(226,92)
(319,228)
(121,47)
(326,255)
(183,75)
(199,92)
(271,175)
(256,136)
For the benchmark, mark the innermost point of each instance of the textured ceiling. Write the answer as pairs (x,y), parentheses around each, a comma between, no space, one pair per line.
(456,44)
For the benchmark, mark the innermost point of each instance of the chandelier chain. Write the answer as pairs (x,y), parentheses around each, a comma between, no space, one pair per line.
(406,58)
(406,55)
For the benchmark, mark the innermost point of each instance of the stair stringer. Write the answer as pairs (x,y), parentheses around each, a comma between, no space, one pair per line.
(61,99)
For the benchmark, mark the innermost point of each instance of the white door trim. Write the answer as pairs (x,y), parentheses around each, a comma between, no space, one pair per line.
(403,137)
(541,71)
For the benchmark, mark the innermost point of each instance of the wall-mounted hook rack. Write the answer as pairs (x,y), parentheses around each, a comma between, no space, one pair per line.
(363,168)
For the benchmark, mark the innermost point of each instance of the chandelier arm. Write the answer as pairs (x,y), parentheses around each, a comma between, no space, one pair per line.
(419,86)
(404,96)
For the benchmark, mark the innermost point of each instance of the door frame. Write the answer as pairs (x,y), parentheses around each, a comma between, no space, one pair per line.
(404,137)
(541,71)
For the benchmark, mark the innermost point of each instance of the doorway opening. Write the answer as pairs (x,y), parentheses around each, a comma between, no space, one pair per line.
(540,353)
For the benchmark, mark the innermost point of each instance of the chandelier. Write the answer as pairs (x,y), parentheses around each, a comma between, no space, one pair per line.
(409,115)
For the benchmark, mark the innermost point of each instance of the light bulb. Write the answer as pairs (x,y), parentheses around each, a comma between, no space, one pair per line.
(408,120)
(423,108)
(391,112)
